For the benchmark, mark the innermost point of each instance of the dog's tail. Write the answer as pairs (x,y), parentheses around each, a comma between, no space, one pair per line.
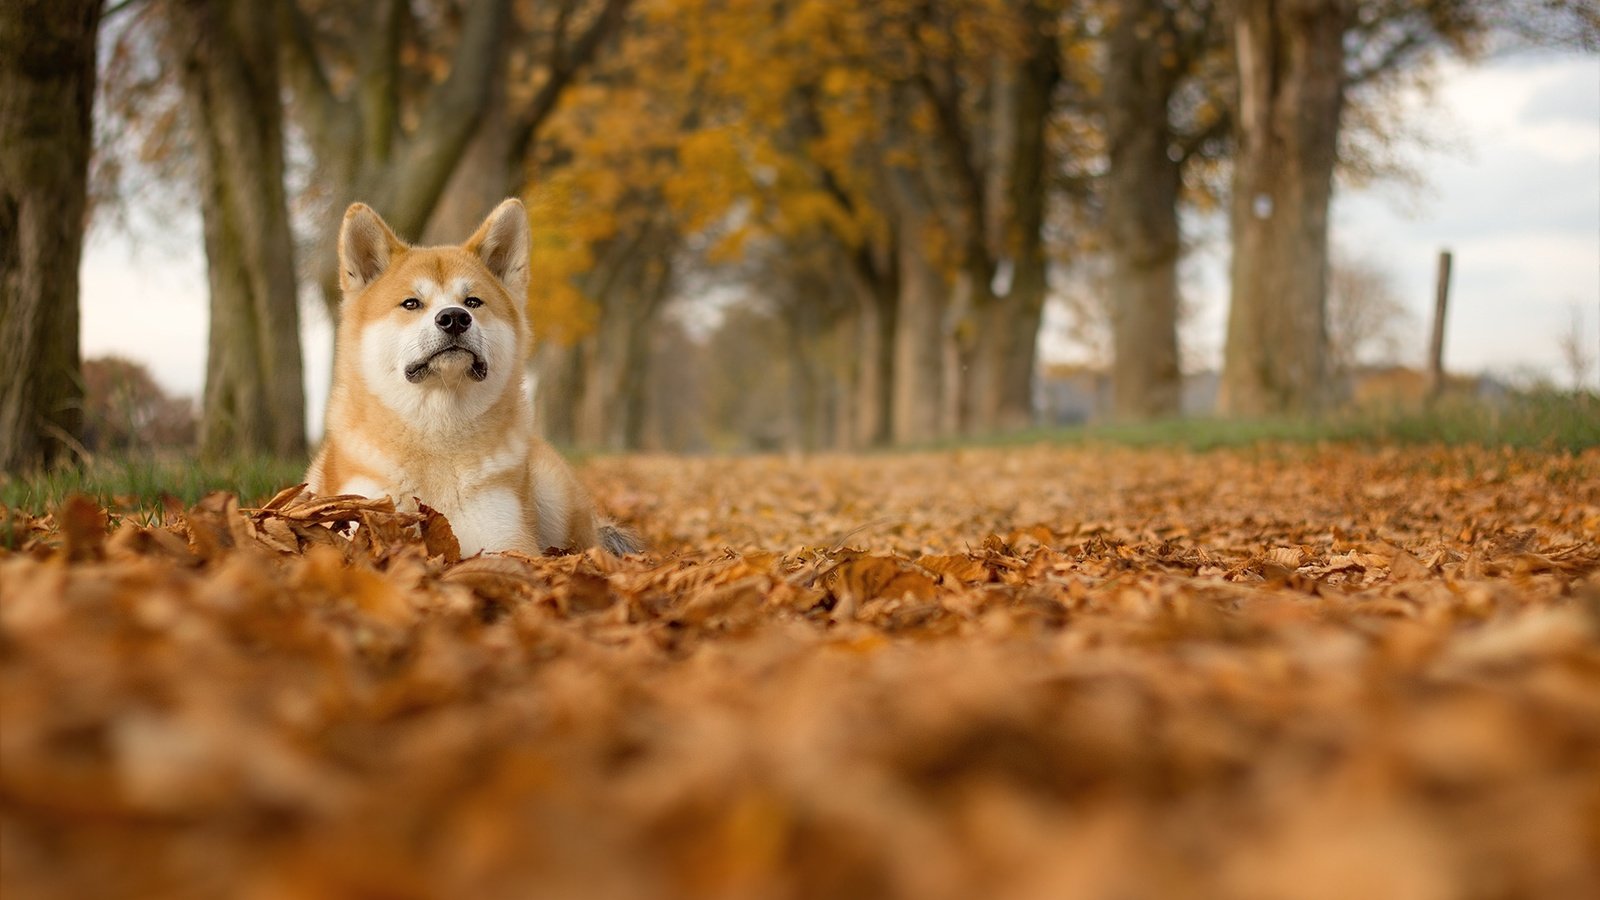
(618,540)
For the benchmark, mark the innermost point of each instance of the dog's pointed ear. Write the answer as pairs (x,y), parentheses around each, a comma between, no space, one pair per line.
(366,248)
(502,243)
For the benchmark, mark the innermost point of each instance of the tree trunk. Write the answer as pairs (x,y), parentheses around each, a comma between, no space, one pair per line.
(597,418)
(557,392)
(1290,57)
(886,301)
(630,283)
(1007,315)
(254,396)
(1019,364)
(919,377)
(876,314)
(361,150)
(633,381)
(467,148)
(957,337)
(1141,214)
(490,170)
(47,78)
(977,350)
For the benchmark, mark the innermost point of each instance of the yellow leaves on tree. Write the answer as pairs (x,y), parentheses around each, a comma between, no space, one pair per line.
(562,241)
(737,119)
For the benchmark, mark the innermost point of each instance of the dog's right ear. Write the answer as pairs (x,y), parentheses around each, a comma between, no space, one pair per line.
(366,247)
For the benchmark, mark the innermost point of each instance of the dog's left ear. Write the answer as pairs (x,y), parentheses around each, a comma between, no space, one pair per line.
(502,243)
(366,247)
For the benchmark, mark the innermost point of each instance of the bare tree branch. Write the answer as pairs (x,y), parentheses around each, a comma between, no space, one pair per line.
(303,69)
(447,122)
(565,65)
(379,81)
(958,152)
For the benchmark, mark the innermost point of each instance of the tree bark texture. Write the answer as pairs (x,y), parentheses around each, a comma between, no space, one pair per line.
(607,393)
(490,170)
(1290,58)
(494,164)
(254,399)
(878,429)
(469,147)
(47,79)
(1141,213)
(361,150)
(1023,237)
(877,310)
(558,387)
(918,379)
(1002,231)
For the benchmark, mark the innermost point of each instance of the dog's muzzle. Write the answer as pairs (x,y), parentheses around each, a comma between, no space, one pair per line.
(422,368)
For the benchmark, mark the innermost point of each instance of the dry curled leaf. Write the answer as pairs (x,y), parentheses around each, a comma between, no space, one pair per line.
(83,528)
(437,537)
(501,578)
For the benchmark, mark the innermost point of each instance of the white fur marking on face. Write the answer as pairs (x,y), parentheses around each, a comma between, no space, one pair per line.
(427,290)
(388,345)
(490,520)
(432,294)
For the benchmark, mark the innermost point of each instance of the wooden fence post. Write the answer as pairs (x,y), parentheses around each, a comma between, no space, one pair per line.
(1441,299)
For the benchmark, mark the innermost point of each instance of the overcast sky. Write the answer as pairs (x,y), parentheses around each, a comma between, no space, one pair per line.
(1514,192)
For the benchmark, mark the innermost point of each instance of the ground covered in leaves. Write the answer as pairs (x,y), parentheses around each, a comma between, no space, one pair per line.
(989,673)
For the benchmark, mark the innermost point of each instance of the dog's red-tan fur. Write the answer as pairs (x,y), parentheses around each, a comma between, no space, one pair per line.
(420,414)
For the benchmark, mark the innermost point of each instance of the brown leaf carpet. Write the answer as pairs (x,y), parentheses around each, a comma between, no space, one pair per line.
(1053,673)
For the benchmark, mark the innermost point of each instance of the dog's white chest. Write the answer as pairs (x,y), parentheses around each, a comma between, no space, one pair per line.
(482,519)
(489,519)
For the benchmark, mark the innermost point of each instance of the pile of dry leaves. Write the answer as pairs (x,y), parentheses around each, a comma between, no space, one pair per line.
(1003,673)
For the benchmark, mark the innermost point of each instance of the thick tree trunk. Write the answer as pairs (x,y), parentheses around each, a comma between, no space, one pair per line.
(363,153)
(919,377)
(628,322)
(877,311)
(956,353)
(1007,316)
(1028,190)
(1141,213)
(886,298)
(490,170)
(254,395)
(1290,56)
(47,78)
(635,400)
(864,412)
(559,386)
(608,394)
(467,147)
(597,412)
(1019,364)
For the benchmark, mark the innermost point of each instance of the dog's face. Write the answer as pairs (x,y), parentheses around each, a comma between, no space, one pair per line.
(435,331)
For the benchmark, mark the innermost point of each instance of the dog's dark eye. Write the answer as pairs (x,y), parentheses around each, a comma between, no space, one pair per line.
(411,303)
(473,302)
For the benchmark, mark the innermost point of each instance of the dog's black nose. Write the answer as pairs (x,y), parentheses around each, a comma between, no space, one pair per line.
(453,320)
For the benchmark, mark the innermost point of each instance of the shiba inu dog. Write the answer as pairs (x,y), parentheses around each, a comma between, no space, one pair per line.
(429,399)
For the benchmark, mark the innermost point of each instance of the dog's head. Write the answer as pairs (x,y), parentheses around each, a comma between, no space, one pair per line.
(435,326)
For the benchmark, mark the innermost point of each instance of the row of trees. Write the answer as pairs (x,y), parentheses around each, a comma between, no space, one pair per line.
(893,183)
(902,180)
